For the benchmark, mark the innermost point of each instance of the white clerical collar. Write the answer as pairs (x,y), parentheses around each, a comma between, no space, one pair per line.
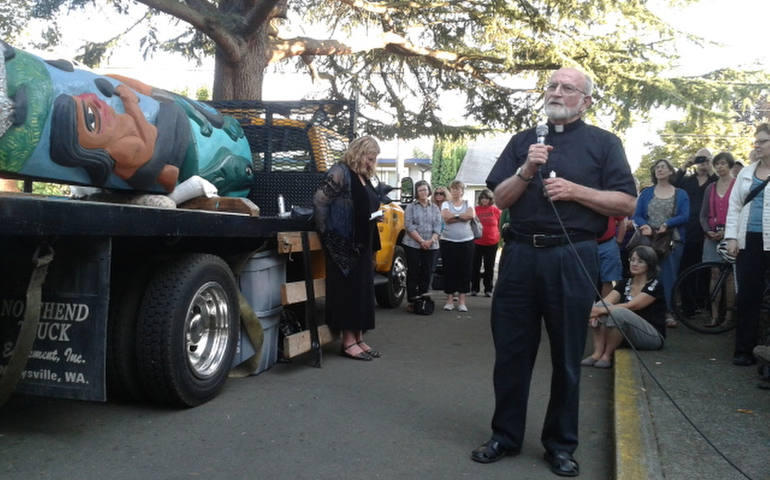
(558,128)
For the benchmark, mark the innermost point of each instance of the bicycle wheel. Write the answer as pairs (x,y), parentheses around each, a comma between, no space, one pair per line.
(703,301)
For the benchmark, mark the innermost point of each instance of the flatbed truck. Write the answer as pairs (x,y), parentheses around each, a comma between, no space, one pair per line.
(142,299)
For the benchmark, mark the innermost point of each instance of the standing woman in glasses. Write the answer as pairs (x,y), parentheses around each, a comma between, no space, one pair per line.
(439,195)
(747,231)
(423,227)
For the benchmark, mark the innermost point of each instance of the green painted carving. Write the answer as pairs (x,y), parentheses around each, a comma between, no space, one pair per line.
(18,143)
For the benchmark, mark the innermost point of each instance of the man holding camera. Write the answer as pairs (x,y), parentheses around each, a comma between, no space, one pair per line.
(695,185)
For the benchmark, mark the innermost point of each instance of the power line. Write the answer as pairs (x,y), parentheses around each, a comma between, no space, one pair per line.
(699,135)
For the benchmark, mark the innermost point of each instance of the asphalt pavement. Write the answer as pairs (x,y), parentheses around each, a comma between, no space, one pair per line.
(415,413)
(695,371)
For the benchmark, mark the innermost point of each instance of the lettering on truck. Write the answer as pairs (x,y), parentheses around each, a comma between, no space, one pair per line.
(61,312)
(63,315)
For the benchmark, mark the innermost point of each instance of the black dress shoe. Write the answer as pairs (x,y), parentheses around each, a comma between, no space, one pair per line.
(491,451)
(562,464)
(357,356)
(372,353)
(744,360)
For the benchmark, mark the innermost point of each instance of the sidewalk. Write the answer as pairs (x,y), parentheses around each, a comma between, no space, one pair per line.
(653,440)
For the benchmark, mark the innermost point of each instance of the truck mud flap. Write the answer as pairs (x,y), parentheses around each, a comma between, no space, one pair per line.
(67,358)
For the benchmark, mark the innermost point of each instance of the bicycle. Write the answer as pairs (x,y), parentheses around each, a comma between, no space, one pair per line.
(703,302)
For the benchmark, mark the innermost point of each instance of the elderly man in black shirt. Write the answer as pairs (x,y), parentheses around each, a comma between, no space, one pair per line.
(583,170)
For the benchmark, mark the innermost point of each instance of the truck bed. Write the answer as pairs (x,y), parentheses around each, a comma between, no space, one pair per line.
(26,214)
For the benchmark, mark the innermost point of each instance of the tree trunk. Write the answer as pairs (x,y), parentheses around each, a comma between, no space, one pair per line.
(242,79)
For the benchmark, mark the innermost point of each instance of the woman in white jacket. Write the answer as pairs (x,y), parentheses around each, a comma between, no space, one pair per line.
(747,231)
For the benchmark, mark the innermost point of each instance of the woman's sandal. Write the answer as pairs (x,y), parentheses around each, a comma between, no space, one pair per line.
(603,364)
(589,361)
(359,356)
(370,352)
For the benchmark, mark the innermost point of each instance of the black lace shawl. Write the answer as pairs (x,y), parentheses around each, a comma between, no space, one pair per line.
(334,217)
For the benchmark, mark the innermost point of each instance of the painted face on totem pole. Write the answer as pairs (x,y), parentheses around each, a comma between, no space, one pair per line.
(87,132)
(111,132)
(96,121)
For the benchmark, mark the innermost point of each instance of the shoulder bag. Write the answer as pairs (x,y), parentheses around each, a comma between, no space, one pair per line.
(662,243)
(476,227)
(756,191)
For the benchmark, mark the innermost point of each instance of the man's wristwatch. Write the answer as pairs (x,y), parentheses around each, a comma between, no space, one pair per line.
(457,215)
(518,174)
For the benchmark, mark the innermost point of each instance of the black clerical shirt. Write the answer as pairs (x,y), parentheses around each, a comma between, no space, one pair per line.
(582,154)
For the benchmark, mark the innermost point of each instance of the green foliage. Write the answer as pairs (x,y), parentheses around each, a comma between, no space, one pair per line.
(493,57)
(43,188)
(14,14)
(732,132)
(51,189)
(681,142)
(448,155)
(622,45)
(202,94)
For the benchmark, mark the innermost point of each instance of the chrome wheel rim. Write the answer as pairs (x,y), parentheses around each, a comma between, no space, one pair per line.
(206,330)
(399,276)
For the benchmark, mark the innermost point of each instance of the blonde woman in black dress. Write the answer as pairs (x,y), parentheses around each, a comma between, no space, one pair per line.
(343,204)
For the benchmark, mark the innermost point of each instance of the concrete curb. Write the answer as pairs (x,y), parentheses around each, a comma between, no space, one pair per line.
(636,448)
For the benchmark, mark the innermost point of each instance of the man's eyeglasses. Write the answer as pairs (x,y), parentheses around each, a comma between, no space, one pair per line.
(566,88)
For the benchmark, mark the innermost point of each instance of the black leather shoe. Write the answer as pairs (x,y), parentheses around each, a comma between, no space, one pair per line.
(562,464)
(358,356)
(744,360)
(491,451)
(372,353)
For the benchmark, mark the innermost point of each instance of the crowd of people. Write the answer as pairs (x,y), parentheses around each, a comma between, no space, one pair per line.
(582,250)
(689,210)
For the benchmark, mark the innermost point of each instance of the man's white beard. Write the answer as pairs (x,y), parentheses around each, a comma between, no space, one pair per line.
(560,112)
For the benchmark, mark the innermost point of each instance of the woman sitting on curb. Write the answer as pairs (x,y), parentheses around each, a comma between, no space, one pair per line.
(638,308)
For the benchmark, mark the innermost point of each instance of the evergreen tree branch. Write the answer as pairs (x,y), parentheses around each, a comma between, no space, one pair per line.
(203,16)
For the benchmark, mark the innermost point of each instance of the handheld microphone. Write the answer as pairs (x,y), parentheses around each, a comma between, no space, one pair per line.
(541,131)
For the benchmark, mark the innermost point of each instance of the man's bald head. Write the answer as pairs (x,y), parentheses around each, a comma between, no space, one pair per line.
(567,95)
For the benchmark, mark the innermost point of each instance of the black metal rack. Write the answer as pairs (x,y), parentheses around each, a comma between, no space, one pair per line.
(283,159)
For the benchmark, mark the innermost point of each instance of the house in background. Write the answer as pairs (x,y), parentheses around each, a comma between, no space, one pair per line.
(417,168)
(478,162)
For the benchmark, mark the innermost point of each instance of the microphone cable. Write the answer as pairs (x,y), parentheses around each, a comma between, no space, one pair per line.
(633,347)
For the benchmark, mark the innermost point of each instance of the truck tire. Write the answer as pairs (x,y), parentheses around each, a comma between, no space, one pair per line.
(392,293)
(187,330)
(127,290)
